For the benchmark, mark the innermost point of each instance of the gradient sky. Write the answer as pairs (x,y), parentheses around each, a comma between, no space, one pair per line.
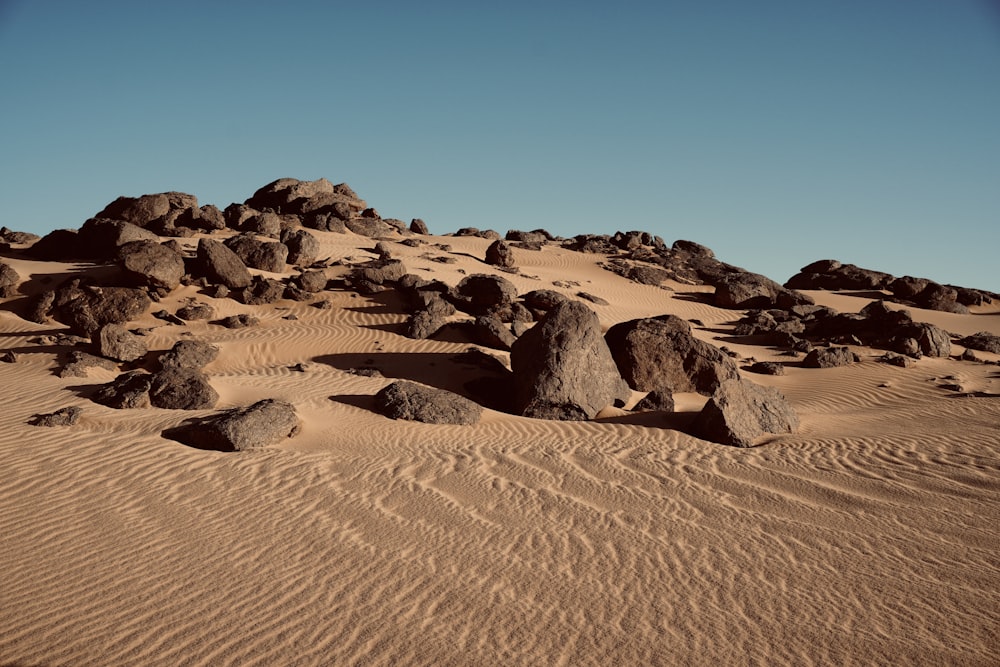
(776,132)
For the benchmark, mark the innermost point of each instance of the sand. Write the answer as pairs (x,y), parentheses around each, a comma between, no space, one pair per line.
(869,537)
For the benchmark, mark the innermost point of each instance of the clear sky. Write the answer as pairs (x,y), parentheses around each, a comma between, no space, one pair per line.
(776,132)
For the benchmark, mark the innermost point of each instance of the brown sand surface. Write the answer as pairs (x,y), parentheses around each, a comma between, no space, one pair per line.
(869,537)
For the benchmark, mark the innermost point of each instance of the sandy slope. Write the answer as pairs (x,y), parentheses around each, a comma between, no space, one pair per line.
(869,537)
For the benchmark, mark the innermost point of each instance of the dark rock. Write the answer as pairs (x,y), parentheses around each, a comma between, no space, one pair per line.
(371,227)
(983,341)
(312,281)
(414,402)
(262,424)
(241,321)
(182,389)
(17,238)
(752,290)
(99,239)
(500,254)
(140,211)
(256,254)
(60,245)
(484,294)
(80,362)
(541,301)
(739,412)
(87,308)
(152,263)
(262,291)
(907,287)
(219,264)
(592,298)
(563,368)
(290,195)
(896,360)
(168,317)
(539,236)
(658,400)
(9,280)
(932,340)
(647,275)
(830,357)
(432,314)
(9,357)
(969,355)
(196,311)
(303,248)
(383,250)
(191,354)
(693,248)
(265,224)
(657,352)
(418,226)
(64,417)
(767,368)
(127,391)
(380,272)
(940,297)
(116,342)
(829,274)
(491,332)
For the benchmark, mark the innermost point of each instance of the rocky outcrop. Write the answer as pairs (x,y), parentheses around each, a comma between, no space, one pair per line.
(415,402)
(661,352)
(87,308)
(290,195)
(830,357)
(752,290)
(262,424)
(190,354)
(983,341)
(829,274)
(256,254)
(563,368)
(740,412)
(219,264)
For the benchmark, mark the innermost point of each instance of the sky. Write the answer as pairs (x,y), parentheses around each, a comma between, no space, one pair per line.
(776,132)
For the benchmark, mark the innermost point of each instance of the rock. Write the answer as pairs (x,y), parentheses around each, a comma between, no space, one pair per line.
(379,272)
(303,248)
(87,308)
(767,368)
(491,332)
(219,264)
(484,294)
(264,224)
(563,368)
(152,263)
(752,290)
(9,357)
(256,254)
(414,402)
(192,354)
(418,226)
(983,341)
(116,342)
(647,275)
(896,360)
(538,236)
(17,238)
(830,357)
(140,211)
(940,297)
(241,321)
(290,195)
(693,248)
(829,274)
(371,227)
(262,424)
(432,314)
(196,311)
(739,412)
(182,389)
(931,339)
(9,280)
(64,417)
(907,287)
(59,245)
(661,351)
(592,298)
(127,391)
(80,362)
(541,301)
(500,254)
(262,291)
(312,281)
(658,400)
(100,239)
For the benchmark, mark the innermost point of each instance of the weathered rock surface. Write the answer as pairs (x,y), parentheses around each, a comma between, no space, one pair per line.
(415,402)
(563,368)
(87,308)
(196,311)
(221,265)
(116,342)
(303,248)
(262,424)
(983,341)
(182,389)
(191,354)
(9,279)
(63,417)
(752,290)
(829,274)
(152,263)
(661,352)
(256,254)
(127,391)
(830,357)
(658,400)
(500,254)
(739,412)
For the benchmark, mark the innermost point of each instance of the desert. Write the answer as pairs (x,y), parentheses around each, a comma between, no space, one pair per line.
(292,431)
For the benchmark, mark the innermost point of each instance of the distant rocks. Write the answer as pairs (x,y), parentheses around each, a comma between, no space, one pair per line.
(661,352)
(739,412)
(415,402)
(563,368)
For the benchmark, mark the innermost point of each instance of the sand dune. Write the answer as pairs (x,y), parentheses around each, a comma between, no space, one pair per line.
(868,537)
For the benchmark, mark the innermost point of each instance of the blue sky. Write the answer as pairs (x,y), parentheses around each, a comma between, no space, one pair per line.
(776,132)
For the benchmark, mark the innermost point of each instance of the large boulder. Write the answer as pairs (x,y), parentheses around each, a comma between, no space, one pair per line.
(127,391)
(221,265)
(484,294)
(256,254)
(500,254)
(661,352)
(940,297)
(830,357)
(303,248)
(829,274)
(9,280)
(116,342)
(563,368)
(189,354)
(740,412)
(290,195)
(752,290)
(262,424)
(101,238)
(983,341)
(152,263)
(415,402)
(182,389)
(87,308)
(139,211)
